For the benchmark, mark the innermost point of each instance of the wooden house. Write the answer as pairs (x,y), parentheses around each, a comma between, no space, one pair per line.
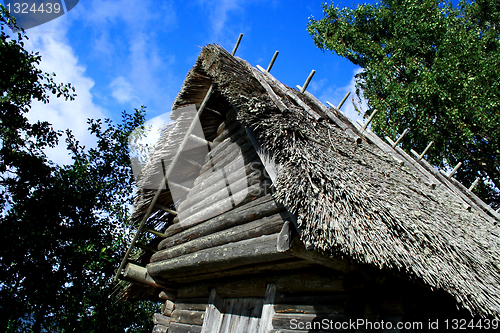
(299,220)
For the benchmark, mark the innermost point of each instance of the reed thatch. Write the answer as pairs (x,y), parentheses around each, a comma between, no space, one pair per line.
(353,200)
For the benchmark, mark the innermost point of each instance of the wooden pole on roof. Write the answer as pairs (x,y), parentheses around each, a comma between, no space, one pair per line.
(343,100)
(420,156)
(370,119)
(452,172)
(272,61)
(394,144)
(474,184)
(237,44)
(304,87)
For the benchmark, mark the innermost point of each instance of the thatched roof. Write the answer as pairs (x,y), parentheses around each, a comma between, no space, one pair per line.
(358,201)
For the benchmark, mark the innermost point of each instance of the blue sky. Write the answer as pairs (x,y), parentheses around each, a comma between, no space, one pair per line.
(121,54)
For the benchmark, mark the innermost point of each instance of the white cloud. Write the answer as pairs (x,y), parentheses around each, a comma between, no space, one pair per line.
(122,90)
(129,30)
(59,57)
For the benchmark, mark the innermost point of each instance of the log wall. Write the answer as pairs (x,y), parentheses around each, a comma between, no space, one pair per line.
(229,223)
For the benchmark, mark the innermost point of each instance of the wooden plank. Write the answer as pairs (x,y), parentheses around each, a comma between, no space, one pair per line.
(213,314)
(298,249)
(258,208)
(253,284)
(301,301)
(289,92)
(253,269)
(310,309)
(298,99)
(249,251)
(259,77)
(192,317)
(287,320)
(199,303)
(263,226)
(227,308)
(183,328)
(266,322)
(256,316)
(308,281)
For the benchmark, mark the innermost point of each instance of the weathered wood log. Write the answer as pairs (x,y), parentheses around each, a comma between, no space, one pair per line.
(192,317)
(286,236)
(259,268)
(208,178)
(228,129)
(138,274)
(287,320)
(160,329)
(238,137)
(250,251)
(221,190)
(160,319)
(167,295)
(219,180)
(167,308)
(298,250)
(263,226)
(251,211)
(228,155)
(183,328)
(225,205)
(199,303)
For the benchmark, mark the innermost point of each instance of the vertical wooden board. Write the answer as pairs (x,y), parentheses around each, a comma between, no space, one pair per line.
(255,316)
(241,324)
(268,309)
(228,313)
(213,316)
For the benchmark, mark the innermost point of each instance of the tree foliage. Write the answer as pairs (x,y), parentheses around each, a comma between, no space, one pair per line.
(433,69)
(62,226)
